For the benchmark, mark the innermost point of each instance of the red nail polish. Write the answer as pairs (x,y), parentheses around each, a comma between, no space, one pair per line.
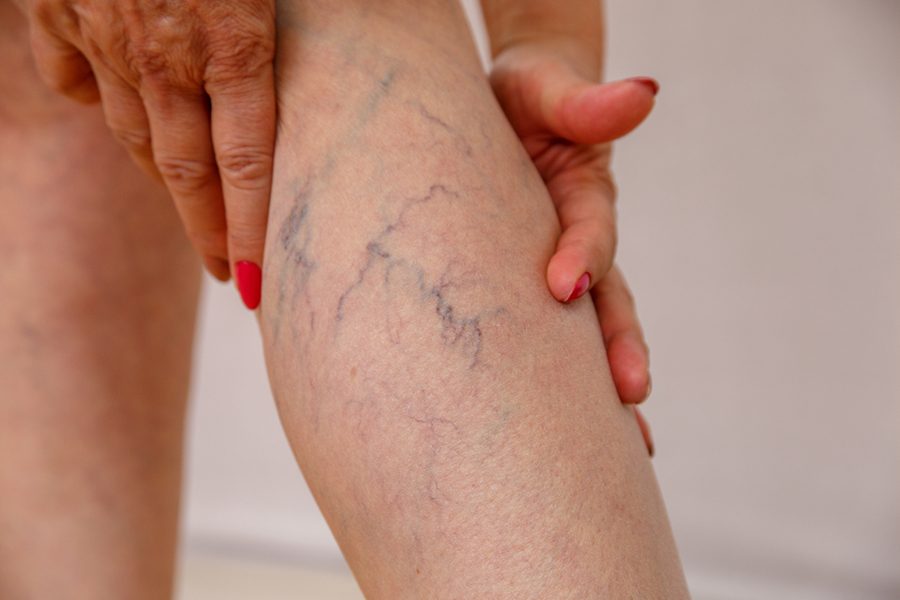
(581,286)
(651,83)
(249,280)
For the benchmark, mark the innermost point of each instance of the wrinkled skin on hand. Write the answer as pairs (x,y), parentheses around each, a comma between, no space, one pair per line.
(188,88)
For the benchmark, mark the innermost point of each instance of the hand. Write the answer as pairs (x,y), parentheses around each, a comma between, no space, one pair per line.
(566,124)
(188,88)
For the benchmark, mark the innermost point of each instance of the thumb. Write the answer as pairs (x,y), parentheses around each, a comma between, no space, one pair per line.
(590,113)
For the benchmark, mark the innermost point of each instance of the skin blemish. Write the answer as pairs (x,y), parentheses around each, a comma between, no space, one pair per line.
(459,328)
(375,250)
(295,238)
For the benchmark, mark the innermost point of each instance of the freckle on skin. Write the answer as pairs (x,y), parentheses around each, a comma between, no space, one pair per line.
(353,372)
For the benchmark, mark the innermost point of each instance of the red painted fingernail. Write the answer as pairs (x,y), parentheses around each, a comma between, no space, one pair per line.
(581,286)
(249,281)
(651,83)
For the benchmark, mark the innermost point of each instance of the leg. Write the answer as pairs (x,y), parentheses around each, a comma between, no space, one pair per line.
(96,323)
(458,426)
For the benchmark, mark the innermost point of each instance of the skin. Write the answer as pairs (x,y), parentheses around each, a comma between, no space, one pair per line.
(458,426)
(187,88)
(548,60)
(106,425)
(100,290)
(567,133)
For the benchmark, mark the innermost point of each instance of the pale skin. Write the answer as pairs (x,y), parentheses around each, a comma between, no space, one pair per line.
(474,288)
(456,444)
(95,341)
(187,88)
(548,58)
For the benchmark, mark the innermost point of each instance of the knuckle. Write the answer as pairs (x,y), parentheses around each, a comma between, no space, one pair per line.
(234,57)
(148,60)
(603,179)
(246,168)
(162,57)
(594,177)
(134,140)
(184,174)
(246,236)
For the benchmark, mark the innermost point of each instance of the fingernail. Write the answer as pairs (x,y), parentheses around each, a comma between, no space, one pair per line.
(651,83)
(249,281)
(649,386)
(581,286)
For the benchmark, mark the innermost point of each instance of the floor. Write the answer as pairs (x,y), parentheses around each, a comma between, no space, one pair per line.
(222,577)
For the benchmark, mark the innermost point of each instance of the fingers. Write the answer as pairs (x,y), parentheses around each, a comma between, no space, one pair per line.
(183,154)
(589,113)
(152,81)
(243,129)
(585,204)
(126,118)
(627,352)
(63,67)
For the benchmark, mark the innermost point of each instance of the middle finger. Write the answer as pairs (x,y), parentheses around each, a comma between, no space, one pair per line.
(183,153)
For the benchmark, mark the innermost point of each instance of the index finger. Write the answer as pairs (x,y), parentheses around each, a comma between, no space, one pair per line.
(243,133)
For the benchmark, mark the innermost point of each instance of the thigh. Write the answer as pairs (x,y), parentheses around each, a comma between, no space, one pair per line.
(99,290)
(85,235)
(65,179)
(94,253)
(457,425)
